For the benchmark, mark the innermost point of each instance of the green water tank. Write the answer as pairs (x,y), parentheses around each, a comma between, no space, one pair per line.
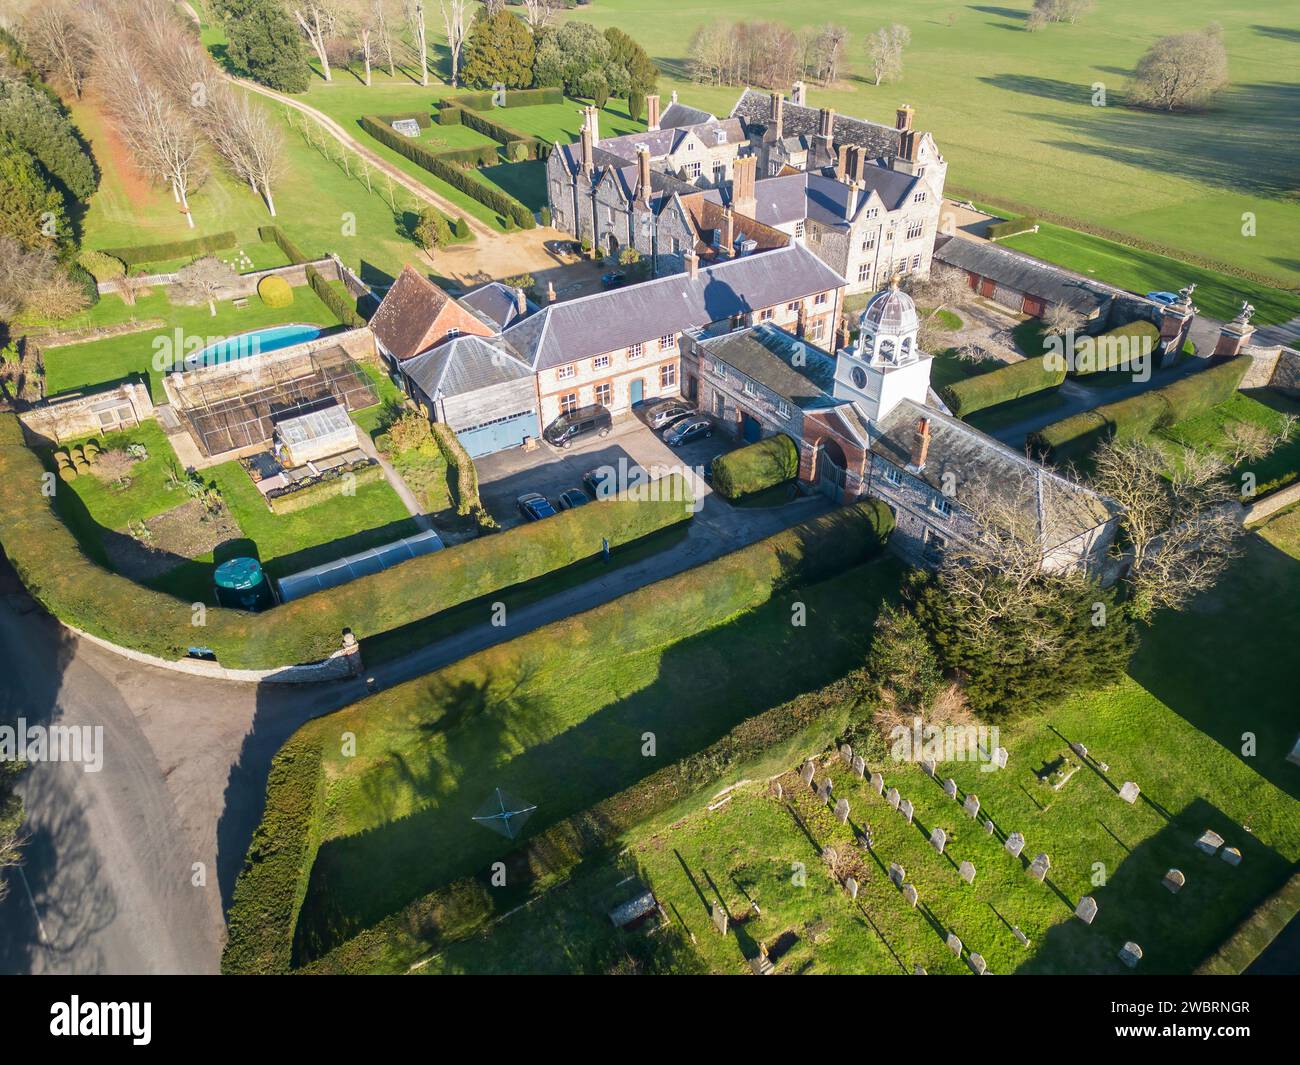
(241,585)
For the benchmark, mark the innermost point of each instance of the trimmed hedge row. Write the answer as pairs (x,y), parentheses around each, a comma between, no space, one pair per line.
(454,455)
(60,576)
(755,467)
(1002,385)
(1113,349)
(505,135)
(420,118)
(1011,228)
(263,916)
(328,485)
(485,101)
(278,237)
(456,176)
(1141,414)
(342,307)
(176,249)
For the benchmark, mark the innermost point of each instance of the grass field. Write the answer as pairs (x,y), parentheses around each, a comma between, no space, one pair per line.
(99,362)
(1175,726)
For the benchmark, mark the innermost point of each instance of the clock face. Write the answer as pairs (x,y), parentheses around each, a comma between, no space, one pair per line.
(859,377)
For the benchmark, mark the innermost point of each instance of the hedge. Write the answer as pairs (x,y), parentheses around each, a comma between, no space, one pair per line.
(264,909)
(1113,349)
(457,458)
(278,237)
(485,101)
(1010,228)
(1141,414)
(505,135)
(1255,934)
(755,467)
(275,291)
(1002,385)
(440,164)
(176,249)
(420,118)
(60,576)
(328,485)
(343,308)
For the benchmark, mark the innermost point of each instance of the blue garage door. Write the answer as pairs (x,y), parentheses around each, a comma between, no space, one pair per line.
(497,436)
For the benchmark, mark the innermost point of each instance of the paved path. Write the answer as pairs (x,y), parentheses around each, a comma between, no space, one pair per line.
(1287,334)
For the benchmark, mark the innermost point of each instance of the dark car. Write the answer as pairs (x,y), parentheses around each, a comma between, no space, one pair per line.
(686,431)
(666,414)
(564,248)
(573,497)
(534,506)
(568,427)
(606,481)
(614,279)
(1163,297)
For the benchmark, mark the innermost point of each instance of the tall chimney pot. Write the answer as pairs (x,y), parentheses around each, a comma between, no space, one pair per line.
(692,264)
(921,445)
(778,116)
(652,111)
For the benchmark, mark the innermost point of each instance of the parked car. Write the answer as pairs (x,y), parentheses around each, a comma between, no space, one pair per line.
(573,497)
(614,279)
(534,506)
(605,481)
(686,431)
(568,249)
(1163,297)
(662,415)
(568,427)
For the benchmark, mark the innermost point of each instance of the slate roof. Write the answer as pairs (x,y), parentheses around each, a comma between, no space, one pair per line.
(765,353)
(1055,509)
(464,364)
(683,115)
(408,314)
(607,321)
(1024,273)
(495,304)
(705,214)
(755,108)
(667,140)
(791,197)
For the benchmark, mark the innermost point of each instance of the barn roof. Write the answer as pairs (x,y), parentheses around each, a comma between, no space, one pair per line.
(1024,273)
(755,108)
(464,364)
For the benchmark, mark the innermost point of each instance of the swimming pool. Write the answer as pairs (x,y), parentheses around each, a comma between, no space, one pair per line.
(256,342)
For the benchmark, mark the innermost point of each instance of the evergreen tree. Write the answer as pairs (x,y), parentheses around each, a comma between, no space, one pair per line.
(625,52)
(499,49)
(264,44)
(31,211)
(432,230)
(1000,670)
(42,128)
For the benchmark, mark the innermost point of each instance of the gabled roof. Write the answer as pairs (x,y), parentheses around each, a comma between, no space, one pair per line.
(464,364)
(607,321)
(1055,509)
(706,216)
(683,115)
(766,354)
(1024,273)
(754,108)
(406,322)
(496,304)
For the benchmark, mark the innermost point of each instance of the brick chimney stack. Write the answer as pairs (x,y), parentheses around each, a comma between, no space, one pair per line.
(842,162)
(692,264)
(521,302)
(904,122)
(727,243)
(743,197)
(593,121)
(551,295)
(652,112)
(643,173)
(826,126)
(799,94)
(921,445)
(588,164)
(1236,334)
(777,125)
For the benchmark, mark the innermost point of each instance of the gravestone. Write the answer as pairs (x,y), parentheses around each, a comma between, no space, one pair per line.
(910,895)
(859,766)
(806,773)
(919,970)
(877,783)
(1231,855)
(851,886)
(1086,910)
(1210,841)
(1000,757)
(892,798)
(846,755)
(954,944)
(1020,936)
(830,856)
(825,789)
(950,788)
(971,806)
(927,767)
(988,828)
(1079,749)
(842,811)
(1130,954)
(1130,792)
(977,963)
(897,874)
(1104,766)
(1015,844)
(906,809)
(778,791)
(1174,880)
(1039,866)
(967,872)
(719,918)
(939,839)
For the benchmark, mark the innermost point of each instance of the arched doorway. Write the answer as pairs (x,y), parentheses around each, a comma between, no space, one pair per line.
(611,246)
(830,468)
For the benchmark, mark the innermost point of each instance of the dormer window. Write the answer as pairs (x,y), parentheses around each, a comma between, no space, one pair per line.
(893,475)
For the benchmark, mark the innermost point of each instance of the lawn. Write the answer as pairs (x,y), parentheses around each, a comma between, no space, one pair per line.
(1200,680)
(187,328)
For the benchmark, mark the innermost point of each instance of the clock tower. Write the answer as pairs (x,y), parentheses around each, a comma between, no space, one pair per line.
(884,366)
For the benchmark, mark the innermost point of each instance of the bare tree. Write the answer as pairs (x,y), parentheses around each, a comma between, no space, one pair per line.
(1060,319)
(1181,519)
(380,17)
(319,20)
(203,280)
(453,20)
(59,41)
(420,32)
(1250,441)
(538,13)
(361,19)
(1181,72)
(831,40)
(244,135)
(885,51)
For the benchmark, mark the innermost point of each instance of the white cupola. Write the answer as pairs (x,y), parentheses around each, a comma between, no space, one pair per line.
(884,365)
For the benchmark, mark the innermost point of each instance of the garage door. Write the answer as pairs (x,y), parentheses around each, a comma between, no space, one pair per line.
(497,436)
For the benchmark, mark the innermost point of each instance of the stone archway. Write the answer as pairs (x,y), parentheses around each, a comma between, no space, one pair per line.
(830,468)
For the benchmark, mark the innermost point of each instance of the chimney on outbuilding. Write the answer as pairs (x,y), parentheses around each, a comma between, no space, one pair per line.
(521,302)
(727,242)
(921,445)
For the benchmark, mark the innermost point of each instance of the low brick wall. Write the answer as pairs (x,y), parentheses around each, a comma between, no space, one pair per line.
(88,414)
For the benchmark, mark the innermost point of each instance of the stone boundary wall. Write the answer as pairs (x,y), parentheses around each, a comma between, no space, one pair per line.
(80,415)
(294,273)
(1271,504)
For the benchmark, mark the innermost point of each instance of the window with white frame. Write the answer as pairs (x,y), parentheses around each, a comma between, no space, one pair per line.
(635,351)
(751,389)
(719,173)
(798,228)
(868,240)
(765,315)
(864,272)
(820,299)
(793,308)
(600,362)
(668,340)
(569,403)
(919,198)
(916,262)
(692,170)
(604,394)
(942,505)
(668,375)
(719,368)
(915,230)
(565,372)
(818,328)
(893,475)
(783,409)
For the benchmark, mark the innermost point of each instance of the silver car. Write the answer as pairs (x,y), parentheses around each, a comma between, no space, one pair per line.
(662,417)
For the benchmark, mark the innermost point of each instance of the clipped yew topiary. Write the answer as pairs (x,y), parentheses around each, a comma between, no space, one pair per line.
(1002,385)
(751,469)
(275,291)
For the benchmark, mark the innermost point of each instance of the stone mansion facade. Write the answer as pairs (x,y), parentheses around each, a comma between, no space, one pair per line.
(865,198)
